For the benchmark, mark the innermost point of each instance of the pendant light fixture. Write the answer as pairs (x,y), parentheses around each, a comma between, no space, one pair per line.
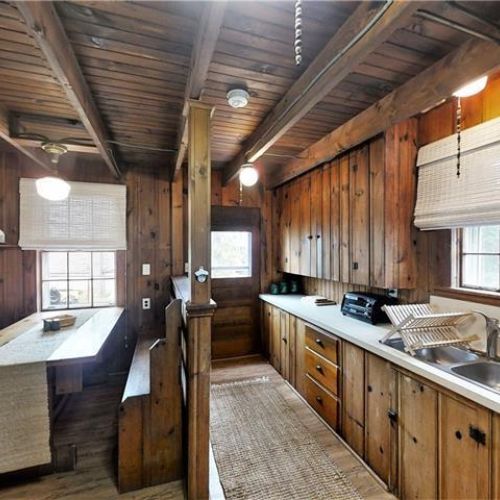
(248,175)
(467,90)
(52,188)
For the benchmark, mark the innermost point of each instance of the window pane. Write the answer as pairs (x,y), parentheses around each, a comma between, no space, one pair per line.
(54,265)
(231,254)
(481,239)
(104,292)
(103,264)
(79,294)
(79,265)
(481,271)
(54,294)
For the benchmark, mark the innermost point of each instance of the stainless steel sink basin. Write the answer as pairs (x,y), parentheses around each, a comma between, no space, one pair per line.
(484,372)
(438,355)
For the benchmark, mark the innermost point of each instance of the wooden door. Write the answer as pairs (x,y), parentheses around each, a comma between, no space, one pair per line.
(359,216)
(236,326)
(276,338)
(381,426)
(418,438)
(316,197)
(464,443)
(306,236)
(353,397)
(284,345)
(300,329)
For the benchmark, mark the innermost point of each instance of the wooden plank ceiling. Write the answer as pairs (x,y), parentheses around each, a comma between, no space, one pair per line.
(136,56)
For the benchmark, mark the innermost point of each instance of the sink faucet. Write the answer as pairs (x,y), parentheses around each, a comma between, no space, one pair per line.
(492,334)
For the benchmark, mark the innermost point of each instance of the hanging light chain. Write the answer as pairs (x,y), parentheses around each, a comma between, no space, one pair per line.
(298,32)
(459,129)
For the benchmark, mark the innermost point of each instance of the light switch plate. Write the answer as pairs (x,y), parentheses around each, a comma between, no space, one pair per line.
(146,269)
(146,303)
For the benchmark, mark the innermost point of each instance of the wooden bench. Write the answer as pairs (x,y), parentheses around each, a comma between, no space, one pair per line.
(150,416)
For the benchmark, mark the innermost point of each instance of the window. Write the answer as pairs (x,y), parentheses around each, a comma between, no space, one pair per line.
(479,258)
(71,280)
(231,254)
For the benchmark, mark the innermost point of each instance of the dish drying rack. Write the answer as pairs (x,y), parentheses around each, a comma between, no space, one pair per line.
(420,327)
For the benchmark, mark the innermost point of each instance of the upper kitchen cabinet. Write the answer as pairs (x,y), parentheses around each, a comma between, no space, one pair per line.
(350,220)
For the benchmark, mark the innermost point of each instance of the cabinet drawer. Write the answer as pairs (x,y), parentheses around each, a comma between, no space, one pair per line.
(323,344)
(323,402)
(321,370)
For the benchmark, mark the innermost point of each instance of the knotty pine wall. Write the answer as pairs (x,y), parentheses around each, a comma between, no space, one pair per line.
(433,247)
(149,240)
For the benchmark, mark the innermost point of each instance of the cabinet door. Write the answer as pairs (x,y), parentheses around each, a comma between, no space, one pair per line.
(292,336)
(305,226)
(381,426)
(284,345)
(284,224)
(495,470)
(335,242)
(353,397)
(418,438)
(300,329)
(267,314)
(344,221)
(276,338)
(316,221)
(323,243)
(294,195)
(464,441)
(359,216)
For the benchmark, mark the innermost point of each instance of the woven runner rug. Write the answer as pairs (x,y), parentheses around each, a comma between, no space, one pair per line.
(264,452)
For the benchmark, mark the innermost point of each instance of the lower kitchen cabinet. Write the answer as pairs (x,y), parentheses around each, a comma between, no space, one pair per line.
(418,439)
(325,403)
(464,445)
(275,338)
(381,419)
(495,470)
(353,397)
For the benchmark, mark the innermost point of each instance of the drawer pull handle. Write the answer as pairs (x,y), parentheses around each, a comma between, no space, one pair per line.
(319,399)
(318,341)
(477,435)
(319,368)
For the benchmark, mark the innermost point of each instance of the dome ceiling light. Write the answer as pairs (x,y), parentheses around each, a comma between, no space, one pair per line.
(238,98)
(52,188)
(472,88)
(248,175)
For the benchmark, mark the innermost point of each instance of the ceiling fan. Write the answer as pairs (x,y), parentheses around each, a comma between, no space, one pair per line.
(55,148)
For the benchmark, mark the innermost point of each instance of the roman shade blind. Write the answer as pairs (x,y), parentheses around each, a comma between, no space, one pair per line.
(447,201)
(93,217)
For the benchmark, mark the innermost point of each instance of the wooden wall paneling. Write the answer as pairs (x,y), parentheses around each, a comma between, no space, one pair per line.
(335,241)
(294,196)
(418,438)
(377,212)
(267,250)
(316,246)
(463,462)
(306,235)
(359,216)
(437,123)
(491,101)
(325,245)
(345,220)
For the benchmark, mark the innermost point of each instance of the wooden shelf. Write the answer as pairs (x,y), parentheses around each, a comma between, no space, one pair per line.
(5,245)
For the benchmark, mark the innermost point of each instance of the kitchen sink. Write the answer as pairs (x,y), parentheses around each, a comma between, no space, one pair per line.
(465,364)
(438,355)
(486,373)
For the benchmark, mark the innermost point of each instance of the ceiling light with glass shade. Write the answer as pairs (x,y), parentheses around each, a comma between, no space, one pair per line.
(248,175)
(52,188)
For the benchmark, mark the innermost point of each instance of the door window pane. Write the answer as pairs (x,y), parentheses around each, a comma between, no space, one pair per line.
(231,254)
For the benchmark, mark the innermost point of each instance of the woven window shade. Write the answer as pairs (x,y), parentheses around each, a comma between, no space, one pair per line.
(447,201)
(92,217)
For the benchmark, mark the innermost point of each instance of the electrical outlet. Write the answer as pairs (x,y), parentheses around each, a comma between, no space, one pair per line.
(146,303)
(146,269)
(186,267)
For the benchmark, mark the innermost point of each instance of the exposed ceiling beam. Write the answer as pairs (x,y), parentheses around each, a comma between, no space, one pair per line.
(370,25)
(438,82)
(44,25)
(38,156)
(203,49)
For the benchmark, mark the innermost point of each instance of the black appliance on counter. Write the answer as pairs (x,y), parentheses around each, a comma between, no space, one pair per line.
(366,306)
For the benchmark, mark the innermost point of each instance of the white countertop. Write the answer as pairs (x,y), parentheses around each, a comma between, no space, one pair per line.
(330,319)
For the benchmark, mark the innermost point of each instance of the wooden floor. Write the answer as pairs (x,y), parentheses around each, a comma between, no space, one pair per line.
(367,485)
(89,421)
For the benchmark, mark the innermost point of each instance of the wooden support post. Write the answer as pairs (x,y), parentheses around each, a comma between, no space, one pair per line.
(200,308)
